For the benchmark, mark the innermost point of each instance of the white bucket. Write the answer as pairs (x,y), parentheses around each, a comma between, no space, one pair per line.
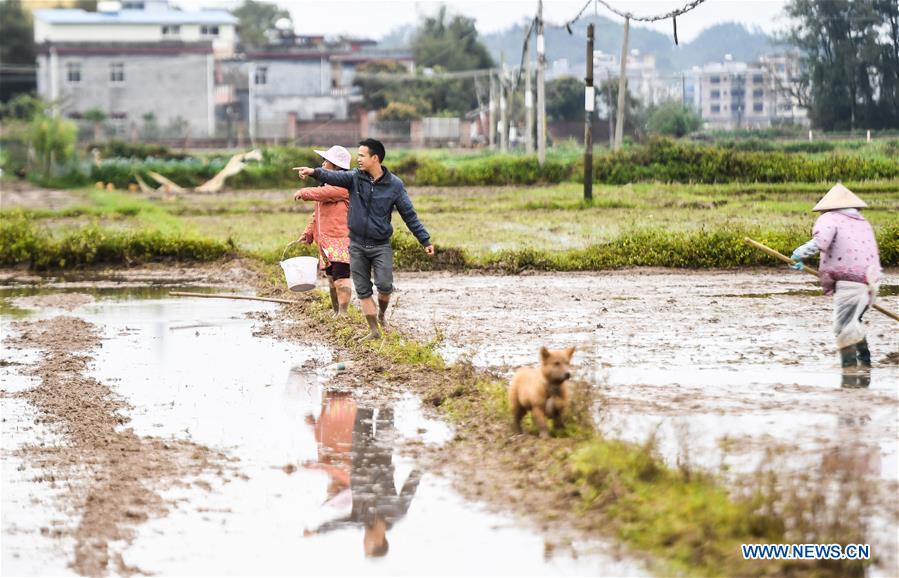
(301,273)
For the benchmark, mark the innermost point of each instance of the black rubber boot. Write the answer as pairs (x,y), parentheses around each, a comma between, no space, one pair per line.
(849,356)
(864,354)
(383,304)
(335,305)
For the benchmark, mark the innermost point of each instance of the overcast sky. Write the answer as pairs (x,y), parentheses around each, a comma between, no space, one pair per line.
(377,18)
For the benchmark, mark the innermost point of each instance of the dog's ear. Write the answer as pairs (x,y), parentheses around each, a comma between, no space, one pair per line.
(570,352)
(544,353)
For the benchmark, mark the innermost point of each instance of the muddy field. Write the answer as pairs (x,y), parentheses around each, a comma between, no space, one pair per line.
(150,434)
(742,356)
(144,434)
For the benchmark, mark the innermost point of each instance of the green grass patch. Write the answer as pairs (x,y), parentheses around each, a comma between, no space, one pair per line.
(24,243)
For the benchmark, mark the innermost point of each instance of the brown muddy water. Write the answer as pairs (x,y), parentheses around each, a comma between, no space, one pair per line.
(730,371)
(311,481)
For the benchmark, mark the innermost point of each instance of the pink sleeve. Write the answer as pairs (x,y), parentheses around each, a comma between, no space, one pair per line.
(824,231)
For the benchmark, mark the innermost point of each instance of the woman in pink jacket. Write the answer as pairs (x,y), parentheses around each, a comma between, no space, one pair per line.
(850,269)
(328,228)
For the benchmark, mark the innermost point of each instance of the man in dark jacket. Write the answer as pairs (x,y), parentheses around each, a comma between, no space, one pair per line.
(374,192)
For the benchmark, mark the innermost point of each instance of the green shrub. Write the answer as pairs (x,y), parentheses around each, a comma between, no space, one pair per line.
(137,150)
(22,243)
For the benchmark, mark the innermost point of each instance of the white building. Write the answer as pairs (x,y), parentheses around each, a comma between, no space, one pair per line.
(755,95)
(129,59)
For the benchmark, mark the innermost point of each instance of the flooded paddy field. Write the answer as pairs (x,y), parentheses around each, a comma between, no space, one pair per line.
(731,371)
(144,433)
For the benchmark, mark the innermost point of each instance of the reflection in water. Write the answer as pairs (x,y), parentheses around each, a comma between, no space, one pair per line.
(856,377)
(356,451)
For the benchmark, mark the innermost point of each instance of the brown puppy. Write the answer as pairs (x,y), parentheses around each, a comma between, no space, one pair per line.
(542,390)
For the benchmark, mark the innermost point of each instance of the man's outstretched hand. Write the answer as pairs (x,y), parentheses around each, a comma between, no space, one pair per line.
(430,250)
(303,172)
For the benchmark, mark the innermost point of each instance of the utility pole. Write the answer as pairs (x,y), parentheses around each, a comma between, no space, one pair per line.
(491,116)
(622,88)
(609,108)
(503,107)
(589,104)
(528,104)
(541,87)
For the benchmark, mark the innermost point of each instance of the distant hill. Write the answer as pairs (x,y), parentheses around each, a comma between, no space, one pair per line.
(709,46)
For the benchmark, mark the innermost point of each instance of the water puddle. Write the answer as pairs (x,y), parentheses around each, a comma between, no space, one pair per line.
(885,291)
(322,487)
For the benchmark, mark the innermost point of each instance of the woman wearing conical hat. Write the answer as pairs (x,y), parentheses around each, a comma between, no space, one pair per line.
(850,268)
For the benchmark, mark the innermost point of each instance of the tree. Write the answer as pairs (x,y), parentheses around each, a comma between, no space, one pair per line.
(53,140)
(440,44)
(565,99)
(850,57)
(634,112)
(16,50)
(673,119)
(257,19)
(450,45)
(399,111)
(96,117)
(377,93)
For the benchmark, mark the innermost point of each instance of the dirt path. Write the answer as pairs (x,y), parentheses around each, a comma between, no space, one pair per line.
(115,479)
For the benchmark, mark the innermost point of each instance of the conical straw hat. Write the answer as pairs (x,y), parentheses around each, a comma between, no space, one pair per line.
(839,197)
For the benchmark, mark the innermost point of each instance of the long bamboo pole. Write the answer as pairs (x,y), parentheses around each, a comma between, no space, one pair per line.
(222,296)
(809,270)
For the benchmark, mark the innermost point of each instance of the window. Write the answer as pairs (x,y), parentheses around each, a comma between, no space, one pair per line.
(758,78)
(117,72)
(758,93)
(73,72)
(171,30)
(716,108)
(209,30)
(716,80)
(716,94)
(758,107)
(132,5)
(261,75)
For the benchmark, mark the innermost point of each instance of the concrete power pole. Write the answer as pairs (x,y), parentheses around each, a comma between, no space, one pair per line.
(541,87)
(503,107)
(491,117)
(609,108)
(622,88)
(528,104)
(589,105)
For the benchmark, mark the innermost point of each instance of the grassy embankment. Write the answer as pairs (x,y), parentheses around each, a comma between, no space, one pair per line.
(492,228)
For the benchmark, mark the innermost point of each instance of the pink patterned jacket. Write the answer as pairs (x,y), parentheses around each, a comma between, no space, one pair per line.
(848,248)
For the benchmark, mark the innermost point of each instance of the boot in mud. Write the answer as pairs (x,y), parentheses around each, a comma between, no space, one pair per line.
(335,304)
(383,303)
(374,332)
(849,356)
(863,353)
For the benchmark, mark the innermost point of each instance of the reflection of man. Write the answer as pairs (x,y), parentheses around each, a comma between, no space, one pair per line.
(376,503)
